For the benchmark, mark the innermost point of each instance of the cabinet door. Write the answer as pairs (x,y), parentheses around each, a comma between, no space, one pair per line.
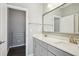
(50,54)
(43,44)
(43,51)
(37,50)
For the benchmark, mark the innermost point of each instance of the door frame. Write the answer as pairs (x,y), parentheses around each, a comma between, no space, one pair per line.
(26,11)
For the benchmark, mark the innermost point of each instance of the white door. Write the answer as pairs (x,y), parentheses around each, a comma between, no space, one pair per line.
(56,24)
(16,27)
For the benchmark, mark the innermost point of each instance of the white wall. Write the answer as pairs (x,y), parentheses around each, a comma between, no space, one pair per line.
(70,9)
(35,20)
(67,24)
(49,19)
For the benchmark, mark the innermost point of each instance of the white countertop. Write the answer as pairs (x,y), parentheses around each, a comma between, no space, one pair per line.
(61,44)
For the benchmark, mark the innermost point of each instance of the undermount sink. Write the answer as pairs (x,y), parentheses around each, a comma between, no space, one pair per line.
(60,43)
(54,40)
(66,44)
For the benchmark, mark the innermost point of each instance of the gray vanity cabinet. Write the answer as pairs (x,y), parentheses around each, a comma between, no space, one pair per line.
(38,49)
(41,48)
(43,51)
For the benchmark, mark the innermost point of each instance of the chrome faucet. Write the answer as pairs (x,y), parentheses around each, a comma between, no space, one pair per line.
(73,39)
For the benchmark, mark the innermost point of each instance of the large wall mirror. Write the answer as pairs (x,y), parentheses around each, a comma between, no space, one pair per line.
(62,19)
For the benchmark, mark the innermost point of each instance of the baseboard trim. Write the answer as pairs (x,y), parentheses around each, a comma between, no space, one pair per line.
(16,46)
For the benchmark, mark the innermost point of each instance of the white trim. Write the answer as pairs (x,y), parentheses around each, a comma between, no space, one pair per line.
(16,46)
(23,9)
(8,51)
(15,7)
(27,32)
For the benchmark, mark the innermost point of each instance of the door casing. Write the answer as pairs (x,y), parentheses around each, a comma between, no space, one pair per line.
(26,12)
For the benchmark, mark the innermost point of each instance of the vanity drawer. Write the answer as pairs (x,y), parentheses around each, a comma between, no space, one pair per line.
(43,44)
(57,51)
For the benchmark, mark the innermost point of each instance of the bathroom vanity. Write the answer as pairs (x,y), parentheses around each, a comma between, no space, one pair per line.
(46,46)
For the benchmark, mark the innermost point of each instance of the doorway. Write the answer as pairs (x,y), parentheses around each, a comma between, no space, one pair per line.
(56,24)
(16,32)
